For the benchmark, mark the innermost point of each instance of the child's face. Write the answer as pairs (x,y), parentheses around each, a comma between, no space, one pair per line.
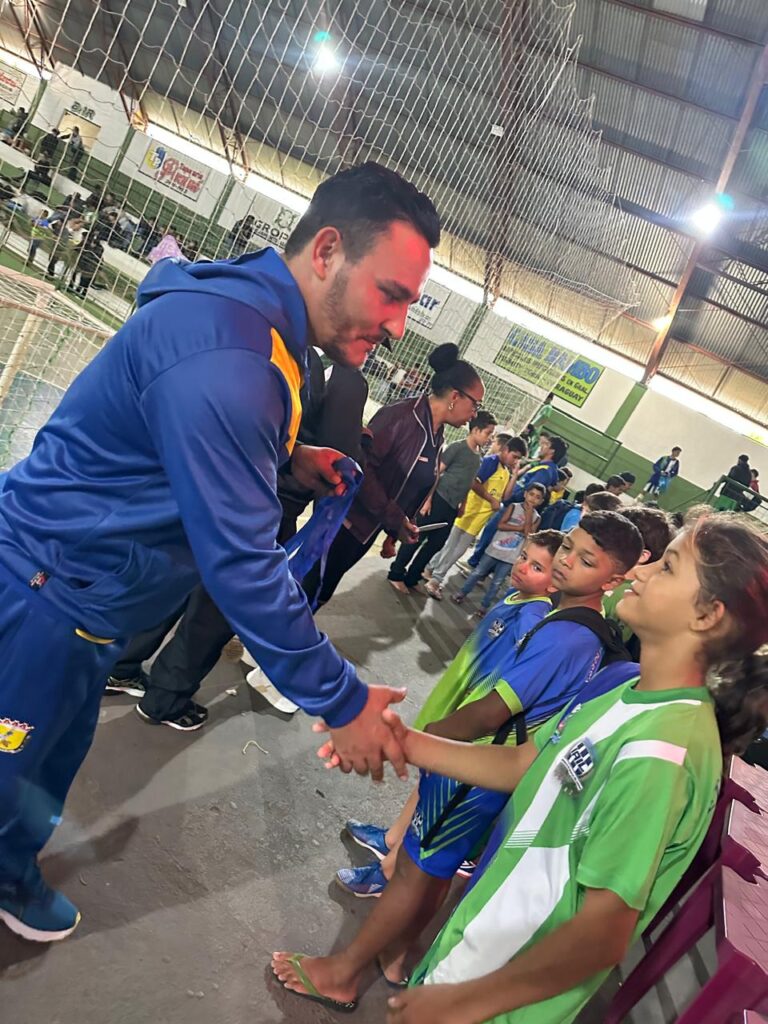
(662,600)
(532,572)
(510,458)
(533,497)
(581,567)
(482,436)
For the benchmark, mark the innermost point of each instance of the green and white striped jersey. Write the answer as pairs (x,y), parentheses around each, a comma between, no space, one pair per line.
(620,798)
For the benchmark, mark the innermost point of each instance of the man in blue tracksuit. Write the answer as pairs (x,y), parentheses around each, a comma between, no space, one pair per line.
(543,470)
(160,467)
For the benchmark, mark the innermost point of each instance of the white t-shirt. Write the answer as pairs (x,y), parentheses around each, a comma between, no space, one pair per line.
(506,545)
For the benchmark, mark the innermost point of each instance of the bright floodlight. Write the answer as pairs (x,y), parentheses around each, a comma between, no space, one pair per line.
(325,60)
(707,218)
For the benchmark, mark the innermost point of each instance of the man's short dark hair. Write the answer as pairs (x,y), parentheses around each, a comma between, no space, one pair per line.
(628,478)
(603,501)
(618,538)
(559,448)
(615,481)
(549,539)
(503,439)
(361,203)
(655,528)
(593,489)
(676,448)
(483,420)
(517,444)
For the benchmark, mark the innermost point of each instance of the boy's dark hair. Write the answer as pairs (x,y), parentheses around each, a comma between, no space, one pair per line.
(450,372)
(517,444)
(655,528)
(603,501)
(579,497)
(549,539)
(361,203)
(678,520)
(483,420)
(562,476)
(615,481)
(503,439)
(618,538)
(676,448)
(628,478)
(593,489)
(559,448)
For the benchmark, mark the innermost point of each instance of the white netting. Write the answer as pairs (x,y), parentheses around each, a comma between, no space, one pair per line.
(45,341)
(208,124)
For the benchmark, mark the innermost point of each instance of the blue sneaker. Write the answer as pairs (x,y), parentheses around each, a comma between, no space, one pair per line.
(36,912)
(362,882)
(370,837)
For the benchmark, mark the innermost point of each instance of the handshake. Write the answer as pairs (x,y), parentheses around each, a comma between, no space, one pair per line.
(375,736)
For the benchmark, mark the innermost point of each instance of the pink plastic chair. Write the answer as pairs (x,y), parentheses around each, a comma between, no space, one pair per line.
(741,979)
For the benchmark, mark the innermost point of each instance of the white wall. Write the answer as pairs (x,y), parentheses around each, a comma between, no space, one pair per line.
(68,86)
(442,315)
(603,401)
(709,449)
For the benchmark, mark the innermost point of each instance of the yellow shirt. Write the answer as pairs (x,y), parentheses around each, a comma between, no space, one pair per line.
(478,510)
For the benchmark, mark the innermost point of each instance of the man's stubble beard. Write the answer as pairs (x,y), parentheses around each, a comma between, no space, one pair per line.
(338,323)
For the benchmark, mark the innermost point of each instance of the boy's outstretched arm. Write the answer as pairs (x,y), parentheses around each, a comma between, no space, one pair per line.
(594,940)
(492,767)
(479,718)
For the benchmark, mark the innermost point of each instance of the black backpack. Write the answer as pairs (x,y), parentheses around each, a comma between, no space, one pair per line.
(608,633)
(553,515)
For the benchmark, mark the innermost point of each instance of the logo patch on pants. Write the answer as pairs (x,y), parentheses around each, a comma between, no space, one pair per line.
(13,735)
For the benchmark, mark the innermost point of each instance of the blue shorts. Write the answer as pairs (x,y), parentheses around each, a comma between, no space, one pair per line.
(462,832)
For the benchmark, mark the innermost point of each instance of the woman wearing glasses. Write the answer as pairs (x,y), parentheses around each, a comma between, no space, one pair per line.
(401,467)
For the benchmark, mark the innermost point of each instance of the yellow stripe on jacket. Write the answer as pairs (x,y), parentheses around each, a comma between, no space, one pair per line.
(291,372)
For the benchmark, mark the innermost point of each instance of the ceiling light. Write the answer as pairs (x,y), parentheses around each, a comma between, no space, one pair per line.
(325,60)
(661,323)
(707,218)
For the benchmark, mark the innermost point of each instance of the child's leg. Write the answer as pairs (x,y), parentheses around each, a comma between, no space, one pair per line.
(500,572)
(484,568)
(402,911)
(394,836)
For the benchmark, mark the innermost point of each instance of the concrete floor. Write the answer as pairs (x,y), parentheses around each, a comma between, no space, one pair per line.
(191,860)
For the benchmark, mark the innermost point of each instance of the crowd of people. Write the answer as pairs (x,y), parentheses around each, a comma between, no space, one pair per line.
(181,461)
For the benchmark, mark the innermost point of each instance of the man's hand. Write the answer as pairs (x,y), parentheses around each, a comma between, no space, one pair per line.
(314,469)
(495,504)
(389,548)
(428,1003)
(426,508)
(409,532)
(367,741)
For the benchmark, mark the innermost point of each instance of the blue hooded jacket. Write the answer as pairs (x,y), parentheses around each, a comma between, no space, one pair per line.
(161,462)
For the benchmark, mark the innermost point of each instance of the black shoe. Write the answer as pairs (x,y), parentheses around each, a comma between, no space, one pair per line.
(193,717)
(133,687)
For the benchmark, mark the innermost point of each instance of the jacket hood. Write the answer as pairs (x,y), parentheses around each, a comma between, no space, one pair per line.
(258,279)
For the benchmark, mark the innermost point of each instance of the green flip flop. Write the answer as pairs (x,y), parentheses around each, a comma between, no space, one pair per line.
(312,993)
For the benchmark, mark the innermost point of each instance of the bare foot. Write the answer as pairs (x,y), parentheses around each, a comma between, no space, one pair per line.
(392,966)
(329,974)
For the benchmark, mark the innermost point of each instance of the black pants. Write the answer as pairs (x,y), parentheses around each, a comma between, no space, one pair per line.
(345,552)
(412,559)
(189,655)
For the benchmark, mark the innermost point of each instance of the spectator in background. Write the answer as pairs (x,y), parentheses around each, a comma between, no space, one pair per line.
(619,483)
(665,469)
(750,504)
(41,172)
(17,129)
(168,246)
(62,231)
(89,255)
(459,465)
(73,154)
(239,237)
(49,144)
(402,467)
(560,491)
(743,474)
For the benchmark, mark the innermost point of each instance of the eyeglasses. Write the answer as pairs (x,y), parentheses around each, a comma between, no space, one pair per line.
(475,401)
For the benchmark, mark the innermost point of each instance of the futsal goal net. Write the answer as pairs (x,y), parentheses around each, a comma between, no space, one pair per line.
(45,340)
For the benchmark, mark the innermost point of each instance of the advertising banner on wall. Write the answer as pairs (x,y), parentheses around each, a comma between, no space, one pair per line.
(11,83)
(431,304)
(273,223)
(174,170)
(535,359)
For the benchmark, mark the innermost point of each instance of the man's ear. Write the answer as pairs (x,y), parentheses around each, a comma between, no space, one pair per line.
(327,246)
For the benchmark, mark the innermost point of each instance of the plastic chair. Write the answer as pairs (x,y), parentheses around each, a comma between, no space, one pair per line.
(741,980)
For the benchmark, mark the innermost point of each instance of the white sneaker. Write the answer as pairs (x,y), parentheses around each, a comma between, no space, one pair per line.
(259,682)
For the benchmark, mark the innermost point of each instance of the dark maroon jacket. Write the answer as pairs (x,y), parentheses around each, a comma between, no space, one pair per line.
(399,439)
